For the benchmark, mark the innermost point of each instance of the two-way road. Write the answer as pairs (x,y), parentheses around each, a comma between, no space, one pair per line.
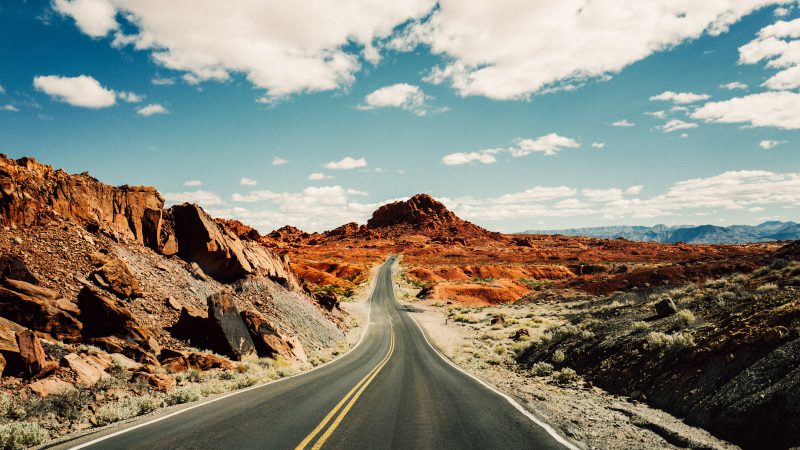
(392,391)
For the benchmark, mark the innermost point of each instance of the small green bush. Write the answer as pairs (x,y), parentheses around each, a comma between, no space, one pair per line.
(558,357)
(182,395)
(541,369)
(565,375)
(19,435)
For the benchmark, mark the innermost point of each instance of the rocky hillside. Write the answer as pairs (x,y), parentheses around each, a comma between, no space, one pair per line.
(702,234)
(98,281)
(458,261)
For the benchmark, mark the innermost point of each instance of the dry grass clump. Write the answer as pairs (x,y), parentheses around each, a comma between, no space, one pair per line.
(767,288)
(565,375)
(541,369)
(657,340)
(685,317)
(126,408)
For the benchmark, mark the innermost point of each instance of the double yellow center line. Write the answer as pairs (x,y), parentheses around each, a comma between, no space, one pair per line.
(349,400)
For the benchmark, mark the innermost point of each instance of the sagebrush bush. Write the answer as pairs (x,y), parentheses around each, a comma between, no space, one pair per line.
(183,394)
(565,375)
(640,325)
(766,288)
(126,408)
(541,369)
(19,435)
(657,340)
(685,317)
(559,357)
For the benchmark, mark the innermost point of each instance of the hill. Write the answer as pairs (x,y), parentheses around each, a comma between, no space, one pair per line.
(703,234)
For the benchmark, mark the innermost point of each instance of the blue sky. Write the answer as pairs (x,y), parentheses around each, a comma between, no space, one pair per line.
(509,116)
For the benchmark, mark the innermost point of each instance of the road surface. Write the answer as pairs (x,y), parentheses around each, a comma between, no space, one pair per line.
(392,391)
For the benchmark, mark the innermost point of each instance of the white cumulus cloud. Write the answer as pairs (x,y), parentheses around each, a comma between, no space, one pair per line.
(623,123)
(779,45)
(152,109)
(549,144)
(733,85)
(461,158)
(675,125)
(346,163)
(316,176)
(680,97)
(513,49)
(248,181)
(278,161)
(129,97)
(401,95)
(281,47)
(598,144)
(192,183)
(83,90)
(200,197)
(780,109)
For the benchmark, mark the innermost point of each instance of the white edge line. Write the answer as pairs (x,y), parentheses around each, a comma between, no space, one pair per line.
(231,394)
(546,427)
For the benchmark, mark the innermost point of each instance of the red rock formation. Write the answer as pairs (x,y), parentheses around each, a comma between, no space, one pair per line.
(220,253)
(32,193)
(423,214)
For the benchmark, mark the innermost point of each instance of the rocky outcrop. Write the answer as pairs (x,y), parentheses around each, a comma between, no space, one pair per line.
(33,193)
(220,253)
(37,308)
(269,342)
(31,352)
(228,334)
(423,214)
(114,275)
(13,268)
(106,318)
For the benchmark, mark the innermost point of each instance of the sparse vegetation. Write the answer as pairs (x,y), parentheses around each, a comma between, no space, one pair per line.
(19,435)
(541,369)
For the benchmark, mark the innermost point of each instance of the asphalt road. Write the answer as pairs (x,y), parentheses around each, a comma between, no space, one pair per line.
(392,391)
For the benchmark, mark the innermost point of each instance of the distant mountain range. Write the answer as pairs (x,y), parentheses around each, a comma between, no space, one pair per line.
(700,234)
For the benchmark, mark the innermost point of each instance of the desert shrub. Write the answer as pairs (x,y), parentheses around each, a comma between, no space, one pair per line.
(183,394)
(767,287)
(126,408)
(727,296)
(463,318)
(189,376)
(541,369)
(685,317)
(565,375)
(640,325)
(657,340)
(19,435)
(718,283)
(761,271)
(739,279)
(778,264)
(558,357)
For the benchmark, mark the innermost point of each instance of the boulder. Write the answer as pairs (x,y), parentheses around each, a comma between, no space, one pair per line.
(202,240)
(87,371)
(158,381)
(8,335)
(175,364)
(30,352)
(227,333)
(498,320)
(133,350)
(116,277)
(191,326)
(517,335)
(13,268)
(50,386)
(35,308)
(327,300)
(270,342)
(207,361)
(220,254)
(666,307)
(106,316)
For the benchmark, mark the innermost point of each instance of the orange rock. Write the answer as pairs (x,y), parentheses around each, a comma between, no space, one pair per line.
(50,386)
(31,352)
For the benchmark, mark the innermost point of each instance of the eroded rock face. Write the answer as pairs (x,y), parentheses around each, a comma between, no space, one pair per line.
(30,352)
(32,193)
(36,308)
(220,253)
(270,342)
(105,316)
(228,334)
